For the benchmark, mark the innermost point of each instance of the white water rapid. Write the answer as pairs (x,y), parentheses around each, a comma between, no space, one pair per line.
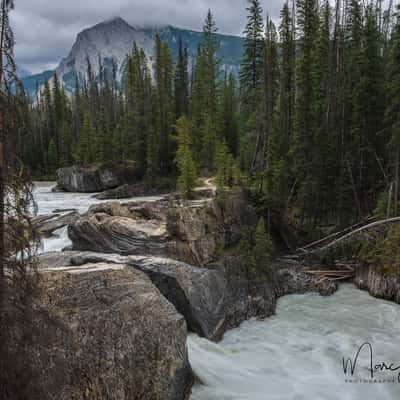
(295,355)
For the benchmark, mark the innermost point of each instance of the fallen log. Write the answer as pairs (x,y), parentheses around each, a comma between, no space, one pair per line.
(353,233)
(336,234)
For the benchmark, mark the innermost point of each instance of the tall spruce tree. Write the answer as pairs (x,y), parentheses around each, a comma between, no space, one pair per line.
(184,159)
(163,74)
(392,112)
(229,114)
(251,69)
(302,146)
(181,82)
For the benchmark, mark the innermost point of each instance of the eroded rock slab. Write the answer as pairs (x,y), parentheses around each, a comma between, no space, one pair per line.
(108,234)
(211,299)
(118,337)
(193,232)
(46,225)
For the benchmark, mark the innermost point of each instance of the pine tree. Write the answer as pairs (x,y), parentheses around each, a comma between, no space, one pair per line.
(270,86)
(209,136)
(278,173)
(224,166)
(211,65)
(153,161)
(163,72)
(263,246)
(138,116)
(181,83)
(198,104)
(372,106)
(302,145)
(324,148)
(229,110)
(84,151)
(52,155)
(287,80)
(392,112)
(184,159)
(251,69)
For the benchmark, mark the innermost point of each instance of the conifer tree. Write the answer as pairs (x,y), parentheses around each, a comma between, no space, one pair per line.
(302,146)
(184,159)
(211,65)
(198,103)
(52,156)
(163,72)
(84,152)
(263,246)
(392,112)
(251,69)
(181,82)
(229,110)
(224,166)
(278,173)
(372,104)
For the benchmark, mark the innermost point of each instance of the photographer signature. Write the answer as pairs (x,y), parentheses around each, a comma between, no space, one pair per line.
(350,365)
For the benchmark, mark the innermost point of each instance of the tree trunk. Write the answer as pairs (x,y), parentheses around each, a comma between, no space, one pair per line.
(2,162)
(396,180)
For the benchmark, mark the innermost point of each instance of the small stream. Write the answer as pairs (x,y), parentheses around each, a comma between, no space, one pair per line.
(295,355)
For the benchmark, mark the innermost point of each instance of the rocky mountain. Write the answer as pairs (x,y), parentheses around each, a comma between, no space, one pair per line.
(112,40)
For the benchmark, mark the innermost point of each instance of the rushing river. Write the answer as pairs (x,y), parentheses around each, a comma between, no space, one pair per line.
(295,355)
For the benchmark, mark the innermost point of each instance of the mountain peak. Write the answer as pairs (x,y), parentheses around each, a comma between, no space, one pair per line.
(114,20)
(110,41)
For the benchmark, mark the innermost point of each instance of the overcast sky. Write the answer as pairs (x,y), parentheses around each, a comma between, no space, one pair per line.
(46,29)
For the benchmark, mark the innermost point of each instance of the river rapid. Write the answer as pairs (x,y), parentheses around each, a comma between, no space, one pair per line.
(295,355)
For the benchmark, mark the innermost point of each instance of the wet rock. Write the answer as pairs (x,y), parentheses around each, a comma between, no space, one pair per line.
(116,336)
(111,208)
(189,231)
(108,234)
(211,299)
(46,225)
(136,190)
(95,178)
(377,283)
(201,230)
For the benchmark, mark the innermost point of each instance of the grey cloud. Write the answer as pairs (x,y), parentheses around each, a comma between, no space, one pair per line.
(46,29)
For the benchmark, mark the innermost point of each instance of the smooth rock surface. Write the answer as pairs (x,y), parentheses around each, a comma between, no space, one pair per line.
(117,337)
(212,299)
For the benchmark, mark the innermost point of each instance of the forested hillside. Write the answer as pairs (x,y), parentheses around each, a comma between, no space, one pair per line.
(312,125)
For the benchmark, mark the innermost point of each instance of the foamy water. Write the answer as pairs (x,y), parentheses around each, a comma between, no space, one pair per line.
(297,354)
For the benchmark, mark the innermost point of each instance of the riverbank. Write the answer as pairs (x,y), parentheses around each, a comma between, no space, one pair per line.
(213,295)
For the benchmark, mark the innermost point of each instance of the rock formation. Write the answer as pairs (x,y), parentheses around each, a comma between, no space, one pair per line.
(377,283)
(115,336)
(95,178)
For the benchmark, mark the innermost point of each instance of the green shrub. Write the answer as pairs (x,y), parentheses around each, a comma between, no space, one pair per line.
(384,254)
